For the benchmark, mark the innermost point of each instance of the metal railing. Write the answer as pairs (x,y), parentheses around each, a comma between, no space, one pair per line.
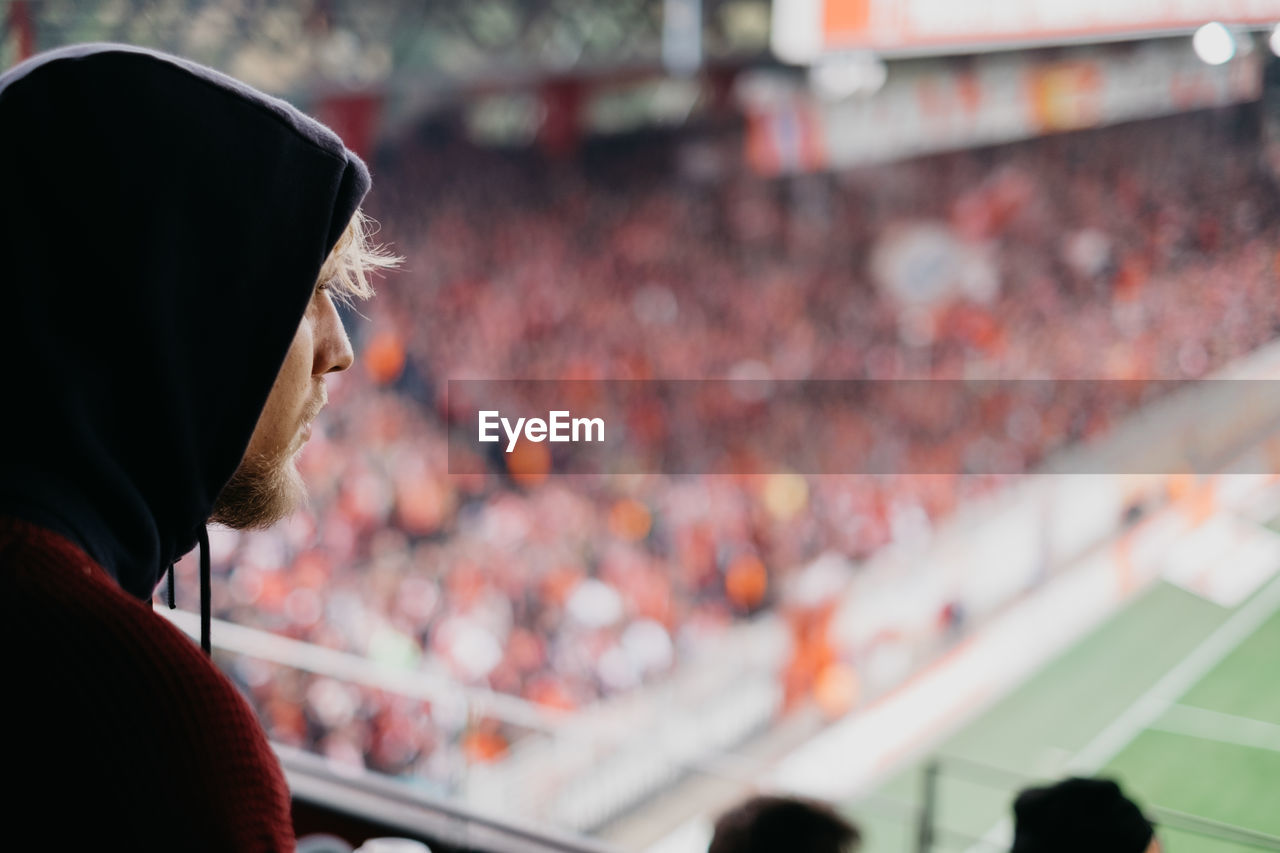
(385,801)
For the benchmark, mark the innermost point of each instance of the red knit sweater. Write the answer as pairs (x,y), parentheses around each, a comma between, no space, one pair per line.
(118,731)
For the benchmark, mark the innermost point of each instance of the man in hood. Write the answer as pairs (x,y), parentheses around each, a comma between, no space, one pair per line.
(172,244)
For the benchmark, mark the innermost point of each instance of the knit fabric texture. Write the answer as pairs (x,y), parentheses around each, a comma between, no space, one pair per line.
(125,732)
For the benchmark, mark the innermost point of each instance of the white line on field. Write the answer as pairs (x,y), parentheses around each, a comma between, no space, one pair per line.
(1148,707)
(1219,727)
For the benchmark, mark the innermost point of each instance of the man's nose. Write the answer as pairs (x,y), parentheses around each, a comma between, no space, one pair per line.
(333,347)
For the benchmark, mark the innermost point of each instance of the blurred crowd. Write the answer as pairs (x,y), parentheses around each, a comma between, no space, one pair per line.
(1143,251)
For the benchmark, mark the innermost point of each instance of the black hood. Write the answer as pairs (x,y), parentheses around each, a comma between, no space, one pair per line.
(162,227)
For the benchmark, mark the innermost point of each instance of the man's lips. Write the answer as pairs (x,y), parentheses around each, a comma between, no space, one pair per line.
(309,415)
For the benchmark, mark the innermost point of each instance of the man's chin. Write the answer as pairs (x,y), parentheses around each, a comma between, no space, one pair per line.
(260,493)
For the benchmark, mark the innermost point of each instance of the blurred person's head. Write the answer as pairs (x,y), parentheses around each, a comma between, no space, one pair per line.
(770,824)
(1078,815)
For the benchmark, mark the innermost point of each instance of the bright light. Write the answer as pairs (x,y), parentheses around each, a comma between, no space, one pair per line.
(842,75)
(1274,41)
(1214,44)
(796,30)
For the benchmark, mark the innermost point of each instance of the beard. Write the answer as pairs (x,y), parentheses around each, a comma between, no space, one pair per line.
(264,489)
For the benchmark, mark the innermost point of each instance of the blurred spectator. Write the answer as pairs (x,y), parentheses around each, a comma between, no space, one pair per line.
(775,824)
(1081,814)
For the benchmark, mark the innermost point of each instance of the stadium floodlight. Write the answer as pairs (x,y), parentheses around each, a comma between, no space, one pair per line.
(844,75)
(1274,40)
(1214,44)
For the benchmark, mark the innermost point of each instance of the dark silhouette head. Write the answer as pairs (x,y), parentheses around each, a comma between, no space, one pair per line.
(1080,814)
(776,824)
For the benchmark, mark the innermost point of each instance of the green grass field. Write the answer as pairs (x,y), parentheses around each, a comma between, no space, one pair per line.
(1174,696)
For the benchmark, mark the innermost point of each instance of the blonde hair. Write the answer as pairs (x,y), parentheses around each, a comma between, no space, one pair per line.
(346,270)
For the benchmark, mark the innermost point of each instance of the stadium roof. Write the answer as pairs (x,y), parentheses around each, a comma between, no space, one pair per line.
(291,48)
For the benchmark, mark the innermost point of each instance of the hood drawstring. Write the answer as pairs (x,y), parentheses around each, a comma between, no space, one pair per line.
(205,592)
